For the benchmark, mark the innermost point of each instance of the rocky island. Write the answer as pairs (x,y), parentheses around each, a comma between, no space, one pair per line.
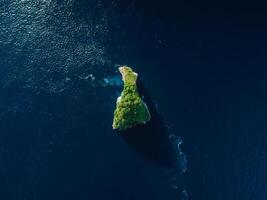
(130,109)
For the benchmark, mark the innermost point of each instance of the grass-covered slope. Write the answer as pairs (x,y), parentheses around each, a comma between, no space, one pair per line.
(130,109)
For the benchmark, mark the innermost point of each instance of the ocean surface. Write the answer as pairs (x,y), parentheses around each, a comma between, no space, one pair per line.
(202,72)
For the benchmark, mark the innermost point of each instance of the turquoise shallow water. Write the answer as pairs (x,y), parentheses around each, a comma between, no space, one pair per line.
(202,74)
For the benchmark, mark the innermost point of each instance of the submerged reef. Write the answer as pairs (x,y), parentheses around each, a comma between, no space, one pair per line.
(130,109)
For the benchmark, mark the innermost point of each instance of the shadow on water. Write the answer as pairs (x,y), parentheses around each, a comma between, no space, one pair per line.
(152,139)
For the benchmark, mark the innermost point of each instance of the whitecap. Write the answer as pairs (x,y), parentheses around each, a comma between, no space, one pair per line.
(112,81)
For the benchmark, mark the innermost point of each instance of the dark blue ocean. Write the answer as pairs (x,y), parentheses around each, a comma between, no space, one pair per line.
(202,72)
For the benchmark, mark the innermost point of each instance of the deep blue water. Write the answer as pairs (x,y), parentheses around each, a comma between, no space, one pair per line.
(202,72)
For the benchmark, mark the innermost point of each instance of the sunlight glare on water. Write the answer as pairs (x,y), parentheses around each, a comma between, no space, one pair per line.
(51,42)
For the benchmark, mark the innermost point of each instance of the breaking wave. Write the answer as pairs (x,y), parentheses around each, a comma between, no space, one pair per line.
(45,44)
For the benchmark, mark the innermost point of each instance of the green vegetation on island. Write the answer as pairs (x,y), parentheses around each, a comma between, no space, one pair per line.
(130,109)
